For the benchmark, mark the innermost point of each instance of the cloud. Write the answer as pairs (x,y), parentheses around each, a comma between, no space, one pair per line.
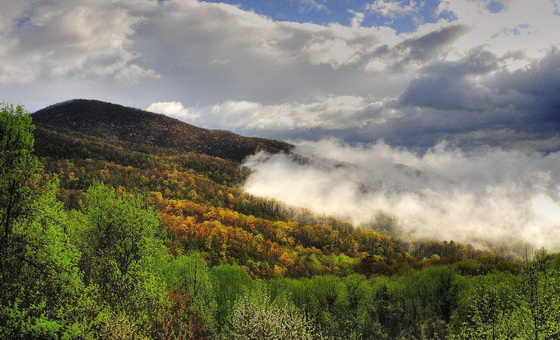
(433,46)
(332,52)
(357,18)
(83,39)
(481,85)
(309,5)
(173,109)
(471,101)
(250,117)
(393,9)
(445,193)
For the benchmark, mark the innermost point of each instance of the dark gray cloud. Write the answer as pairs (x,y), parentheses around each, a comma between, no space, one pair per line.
(461,98)
(425,47)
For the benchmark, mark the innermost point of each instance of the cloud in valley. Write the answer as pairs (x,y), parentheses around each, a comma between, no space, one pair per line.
(445,193)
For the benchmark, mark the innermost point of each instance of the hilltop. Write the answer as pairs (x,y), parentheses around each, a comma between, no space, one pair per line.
(119,123)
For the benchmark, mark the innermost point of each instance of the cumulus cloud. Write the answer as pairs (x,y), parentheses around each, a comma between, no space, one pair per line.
(393,9)
(445,193)
(481,87)
(332,52)
(471,101)
(58,39)
(332,112)
(173,109)
(357,18)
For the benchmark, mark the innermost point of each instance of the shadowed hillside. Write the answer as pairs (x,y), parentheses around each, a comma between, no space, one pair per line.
(120,123)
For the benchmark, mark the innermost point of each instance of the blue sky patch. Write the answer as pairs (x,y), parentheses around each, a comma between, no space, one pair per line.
(324,12)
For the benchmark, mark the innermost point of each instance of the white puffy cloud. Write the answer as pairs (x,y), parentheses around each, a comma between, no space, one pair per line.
(393,9)
(81,38)
(332,52)
(357,18)
(520,25)
(173,109)
(250,117)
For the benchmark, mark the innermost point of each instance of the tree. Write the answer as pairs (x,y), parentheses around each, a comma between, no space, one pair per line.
(229,283)
(19,170)
(123,256)
(190,275)
(257,316)
(539,303)
(119,226)
(42,294)
(487,309)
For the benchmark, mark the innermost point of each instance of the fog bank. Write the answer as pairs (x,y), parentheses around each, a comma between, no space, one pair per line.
(490,194)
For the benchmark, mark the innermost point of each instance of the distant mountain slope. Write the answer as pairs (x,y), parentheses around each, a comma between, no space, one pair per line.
(120,123)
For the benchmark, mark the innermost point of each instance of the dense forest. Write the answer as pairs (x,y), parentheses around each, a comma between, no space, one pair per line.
(117,223)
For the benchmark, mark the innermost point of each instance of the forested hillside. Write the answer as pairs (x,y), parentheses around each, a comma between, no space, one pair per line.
(113,122)
(122,224)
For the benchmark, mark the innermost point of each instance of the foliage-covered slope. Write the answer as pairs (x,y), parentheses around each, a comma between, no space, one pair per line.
(203,210)
(168,248)
(119,123)
(201,207)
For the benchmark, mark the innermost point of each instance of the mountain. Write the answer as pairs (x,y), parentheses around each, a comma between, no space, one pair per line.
(124,124)
(176,167)
(148,238)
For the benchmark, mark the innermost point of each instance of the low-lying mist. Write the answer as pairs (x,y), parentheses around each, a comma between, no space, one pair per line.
(490,194)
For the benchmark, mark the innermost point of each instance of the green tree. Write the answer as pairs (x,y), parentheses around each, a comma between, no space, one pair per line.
(123,255)
(42,294)
(229,283)
(190,275)
(539,299)
(19,170)
(120,227)
(487,307)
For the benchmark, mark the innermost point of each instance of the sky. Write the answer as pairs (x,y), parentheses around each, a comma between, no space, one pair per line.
(410,73)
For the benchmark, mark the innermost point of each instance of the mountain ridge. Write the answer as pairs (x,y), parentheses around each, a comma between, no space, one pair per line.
(120,123)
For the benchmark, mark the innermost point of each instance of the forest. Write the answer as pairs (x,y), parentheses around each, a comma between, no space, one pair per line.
(104,235)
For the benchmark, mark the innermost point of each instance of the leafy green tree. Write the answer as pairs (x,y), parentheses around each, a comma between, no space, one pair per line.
(42,294)
(487,307)
(539,299)
(229,283)
(19,171)
(120,227)
(123,256)
(328,304)
(190,275)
